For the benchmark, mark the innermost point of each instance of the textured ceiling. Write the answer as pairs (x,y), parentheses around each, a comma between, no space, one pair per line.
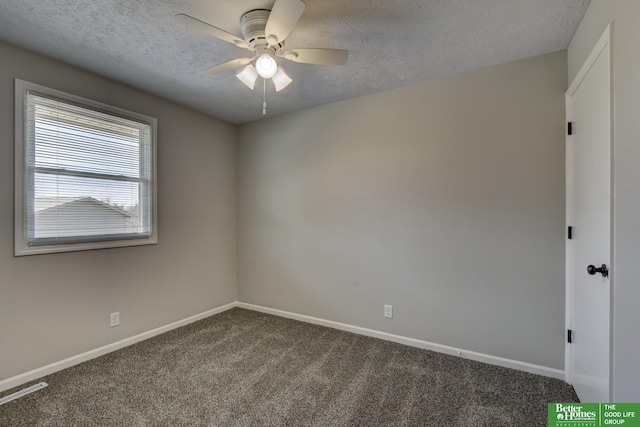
(391,43)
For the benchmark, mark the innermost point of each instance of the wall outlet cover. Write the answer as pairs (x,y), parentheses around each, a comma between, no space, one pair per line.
(388,311)
(115,319)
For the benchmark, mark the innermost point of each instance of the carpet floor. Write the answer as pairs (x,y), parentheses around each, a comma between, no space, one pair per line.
(244,368)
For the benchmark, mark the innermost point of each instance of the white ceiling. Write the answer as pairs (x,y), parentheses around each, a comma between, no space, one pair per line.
(391,43)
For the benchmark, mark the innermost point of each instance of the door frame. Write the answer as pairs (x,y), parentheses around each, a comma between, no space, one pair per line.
(604,40)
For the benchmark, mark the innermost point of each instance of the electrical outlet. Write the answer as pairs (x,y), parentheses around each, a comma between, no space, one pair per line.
(115,319)
(388,311)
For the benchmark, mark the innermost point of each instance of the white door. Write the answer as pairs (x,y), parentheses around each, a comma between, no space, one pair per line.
(589,215)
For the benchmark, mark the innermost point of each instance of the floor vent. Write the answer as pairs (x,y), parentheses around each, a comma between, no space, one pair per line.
(19,394)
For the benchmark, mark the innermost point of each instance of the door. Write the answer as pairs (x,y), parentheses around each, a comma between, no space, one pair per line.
(589,215)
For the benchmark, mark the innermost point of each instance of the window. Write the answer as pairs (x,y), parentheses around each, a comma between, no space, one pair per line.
(85,174)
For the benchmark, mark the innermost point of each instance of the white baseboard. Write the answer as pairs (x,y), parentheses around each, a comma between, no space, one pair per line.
(92,354)
(472,355)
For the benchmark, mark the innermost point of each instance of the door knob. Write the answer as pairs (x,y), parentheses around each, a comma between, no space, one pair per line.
(592,270)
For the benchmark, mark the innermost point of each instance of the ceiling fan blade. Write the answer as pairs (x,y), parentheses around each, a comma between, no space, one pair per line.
(317,56)
(283,17)
(228,66)
(203,27)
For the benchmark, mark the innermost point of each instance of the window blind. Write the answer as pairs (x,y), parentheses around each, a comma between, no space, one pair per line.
(88,174)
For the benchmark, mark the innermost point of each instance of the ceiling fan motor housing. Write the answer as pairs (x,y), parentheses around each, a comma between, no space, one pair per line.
(252,25)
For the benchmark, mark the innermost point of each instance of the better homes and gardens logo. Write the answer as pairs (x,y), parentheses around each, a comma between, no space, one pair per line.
(574,412)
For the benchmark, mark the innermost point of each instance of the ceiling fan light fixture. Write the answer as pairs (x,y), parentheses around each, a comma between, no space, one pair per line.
(248,76)
(281,80)
(266,66)
(264,33)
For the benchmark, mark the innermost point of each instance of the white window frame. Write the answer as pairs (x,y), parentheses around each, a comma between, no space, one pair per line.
(22,88)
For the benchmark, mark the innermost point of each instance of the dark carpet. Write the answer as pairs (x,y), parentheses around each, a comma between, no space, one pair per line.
(244,368)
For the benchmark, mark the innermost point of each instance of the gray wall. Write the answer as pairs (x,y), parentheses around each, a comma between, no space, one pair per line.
(56,306)
(626,176)
(444,199)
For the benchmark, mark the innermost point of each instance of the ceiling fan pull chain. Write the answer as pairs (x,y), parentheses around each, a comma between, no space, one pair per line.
(264,97)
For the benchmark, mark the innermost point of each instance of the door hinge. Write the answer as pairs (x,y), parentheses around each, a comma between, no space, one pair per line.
(569,232)
(570,128)
(569,336)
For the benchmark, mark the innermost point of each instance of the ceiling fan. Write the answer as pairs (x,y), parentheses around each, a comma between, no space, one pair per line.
(264,33)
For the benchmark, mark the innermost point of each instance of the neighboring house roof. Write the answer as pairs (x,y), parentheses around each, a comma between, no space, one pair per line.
(42,203)
(81,201)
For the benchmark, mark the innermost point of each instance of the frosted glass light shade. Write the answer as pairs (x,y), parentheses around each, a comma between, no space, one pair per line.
(248,76)
(266,66)
(281,80)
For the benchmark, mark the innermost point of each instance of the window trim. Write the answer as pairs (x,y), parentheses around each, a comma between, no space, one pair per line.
(21,247)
